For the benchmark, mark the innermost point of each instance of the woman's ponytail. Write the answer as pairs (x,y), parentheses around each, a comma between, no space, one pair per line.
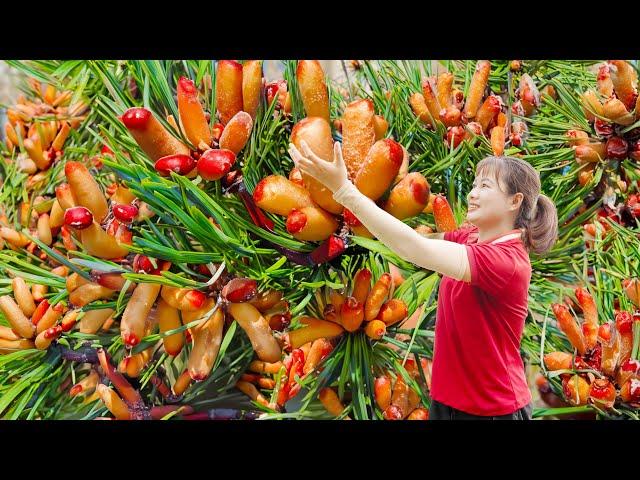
(541,231)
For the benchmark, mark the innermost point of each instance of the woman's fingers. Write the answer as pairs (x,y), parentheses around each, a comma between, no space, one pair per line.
(305,149)
(314,166)
(309,153)
(309,167)
(302,162)
(294,154)
(309,158)
(337,155)
(297,157)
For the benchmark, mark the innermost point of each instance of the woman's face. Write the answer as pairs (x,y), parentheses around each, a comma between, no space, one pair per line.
(488,205)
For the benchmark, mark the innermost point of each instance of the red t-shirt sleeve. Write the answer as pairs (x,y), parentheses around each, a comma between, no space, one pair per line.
(458,236)
(492,266)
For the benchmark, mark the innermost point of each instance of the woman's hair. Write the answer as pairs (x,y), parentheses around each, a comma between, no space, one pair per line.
(537,214)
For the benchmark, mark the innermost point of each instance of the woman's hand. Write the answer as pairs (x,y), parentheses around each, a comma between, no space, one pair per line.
(332,175)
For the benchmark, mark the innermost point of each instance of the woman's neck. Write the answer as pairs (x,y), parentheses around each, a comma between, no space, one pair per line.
(490,234)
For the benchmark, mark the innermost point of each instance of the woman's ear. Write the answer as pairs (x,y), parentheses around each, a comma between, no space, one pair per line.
(516,201)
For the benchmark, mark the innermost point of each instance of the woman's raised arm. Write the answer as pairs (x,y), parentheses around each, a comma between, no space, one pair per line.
(447,258)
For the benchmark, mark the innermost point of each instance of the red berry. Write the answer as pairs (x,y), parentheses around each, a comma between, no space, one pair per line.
(203,270)
(272,91)
(215,164)
(136,118)
(141,263)
(125,213)
(240,290)
(78,217)
(458,98)
(603,72)
(180,164)
(328,250)
(75,390)
(455,135)
(52,332)
(106,150)
(634,151)
(350,219)
(602,389)
(630,365)
(602,128)
(131,339)
(494,103)
(187,86)
(624,322)
(476,128)
(296,221)
(279,321)
(277,91)
(516,139)
(518,109)
(392,413)
(617,148)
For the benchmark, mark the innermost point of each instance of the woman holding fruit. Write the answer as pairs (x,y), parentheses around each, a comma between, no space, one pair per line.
(477,371)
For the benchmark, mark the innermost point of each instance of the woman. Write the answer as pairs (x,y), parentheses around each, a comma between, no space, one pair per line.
(478,372)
